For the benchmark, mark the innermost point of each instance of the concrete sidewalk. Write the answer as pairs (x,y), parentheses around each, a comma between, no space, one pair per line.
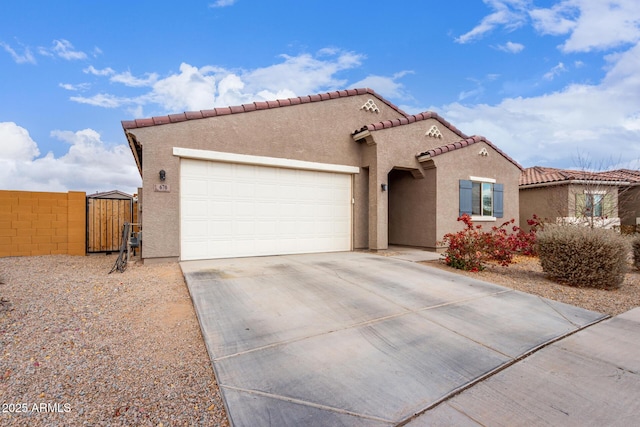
(360,339)
(591,378)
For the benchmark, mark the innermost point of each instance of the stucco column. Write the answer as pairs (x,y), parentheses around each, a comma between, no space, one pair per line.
(378,210)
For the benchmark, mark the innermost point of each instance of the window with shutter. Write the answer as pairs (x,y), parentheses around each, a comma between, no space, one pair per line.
(481,199)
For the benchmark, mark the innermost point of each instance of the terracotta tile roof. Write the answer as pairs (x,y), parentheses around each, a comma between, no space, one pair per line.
(408,120)
(261,105)
(546,175)
(465,143)
(626,174)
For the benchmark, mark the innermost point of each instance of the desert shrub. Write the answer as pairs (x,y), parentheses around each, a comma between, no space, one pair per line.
(466,249)
(524,242)
(635,246)
(583,256)
(471,248)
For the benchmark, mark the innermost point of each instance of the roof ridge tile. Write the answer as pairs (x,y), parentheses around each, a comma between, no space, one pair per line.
(257,105)
(412,119)
(465,143)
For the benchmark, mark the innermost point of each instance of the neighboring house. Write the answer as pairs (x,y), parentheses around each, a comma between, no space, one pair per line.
(601,199)
(330,172)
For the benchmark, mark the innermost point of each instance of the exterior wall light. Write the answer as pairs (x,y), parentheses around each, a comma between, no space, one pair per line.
(163,175)
(384,187)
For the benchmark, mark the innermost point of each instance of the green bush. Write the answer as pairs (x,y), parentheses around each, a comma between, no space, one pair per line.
(583,256)
(635,245)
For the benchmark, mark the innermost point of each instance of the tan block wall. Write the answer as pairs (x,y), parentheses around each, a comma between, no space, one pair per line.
(40,223)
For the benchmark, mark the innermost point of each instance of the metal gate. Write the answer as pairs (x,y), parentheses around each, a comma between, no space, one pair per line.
(105,218)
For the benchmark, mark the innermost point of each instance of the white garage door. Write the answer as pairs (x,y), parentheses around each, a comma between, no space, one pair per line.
(235,210)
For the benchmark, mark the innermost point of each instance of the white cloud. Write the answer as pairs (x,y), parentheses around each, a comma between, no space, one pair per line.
(75,87)
(602,120)
(16,143)
(473,93)
(557,20)
(193,88)
(389,87)
(104,72)
(128,79)
(64,49)
(555,71)
(89,165)
(104,100)
(591,25)
(304,74)
(511,47)
(25,58)
(510,14)
(222,3)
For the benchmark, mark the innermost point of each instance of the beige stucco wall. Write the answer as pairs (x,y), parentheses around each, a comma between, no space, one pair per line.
(412,208)
(424,204)
(316,132)
(630,205)
(463,164)
(547,203)
(553,202)
(397,147)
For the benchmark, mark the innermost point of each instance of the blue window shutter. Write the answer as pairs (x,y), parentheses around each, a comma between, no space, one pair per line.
(498,199)
(465,196)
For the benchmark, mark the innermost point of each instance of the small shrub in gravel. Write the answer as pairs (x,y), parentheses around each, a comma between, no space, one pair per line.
(583,256)
(470,249)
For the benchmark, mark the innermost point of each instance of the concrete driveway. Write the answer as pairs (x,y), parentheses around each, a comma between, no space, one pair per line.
(358,339)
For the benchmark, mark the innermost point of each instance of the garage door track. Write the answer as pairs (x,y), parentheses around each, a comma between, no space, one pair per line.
(358,339)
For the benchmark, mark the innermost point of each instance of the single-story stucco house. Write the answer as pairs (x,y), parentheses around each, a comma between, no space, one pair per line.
(336,171)
(600,198)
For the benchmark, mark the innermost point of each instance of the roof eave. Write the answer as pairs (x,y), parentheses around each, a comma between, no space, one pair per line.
(363,134)
(136,149)
(576,182)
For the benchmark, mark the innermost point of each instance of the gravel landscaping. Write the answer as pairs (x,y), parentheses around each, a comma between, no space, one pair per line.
(79,346)
(526,275)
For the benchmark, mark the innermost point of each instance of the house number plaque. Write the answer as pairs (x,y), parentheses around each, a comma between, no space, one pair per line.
(162,188)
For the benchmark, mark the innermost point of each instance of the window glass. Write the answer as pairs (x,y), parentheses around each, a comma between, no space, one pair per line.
(487,199)
(482,199)
(594,204)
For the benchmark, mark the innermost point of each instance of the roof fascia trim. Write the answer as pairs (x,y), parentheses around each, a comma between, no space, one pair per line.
(575,182)
(136,148)
(218,156)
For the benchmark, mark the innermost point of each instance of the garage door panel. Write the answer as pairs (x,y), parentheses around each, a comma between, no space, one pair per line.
(234,210)
(196,187)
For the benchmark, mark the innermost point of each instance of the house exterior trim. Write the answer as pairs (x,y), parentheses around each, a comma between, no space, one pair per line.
(574,181)
(218,156)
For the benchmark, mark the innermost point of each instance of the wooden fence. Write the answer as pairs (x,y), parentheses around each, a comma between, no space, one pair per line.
(105,218)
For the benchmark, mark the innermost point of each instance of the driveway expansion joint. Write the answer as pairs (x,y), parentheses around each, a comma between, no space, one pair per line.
(340,335)
(306,403)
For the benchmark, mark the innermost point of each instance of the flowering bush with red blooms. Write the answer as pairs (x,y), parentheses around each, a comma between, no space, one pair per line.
(471,248)
(524,243)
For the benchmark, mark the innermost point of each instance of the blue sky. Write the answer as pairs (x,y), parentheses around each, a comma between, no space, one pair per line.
(552,83)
